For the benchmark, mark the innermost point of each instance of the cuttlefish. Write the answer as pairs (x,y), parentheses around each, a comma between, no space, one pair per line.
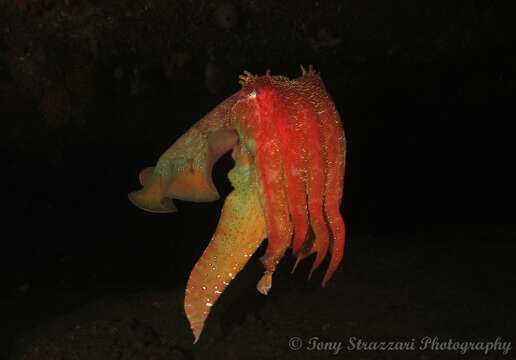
(289,149)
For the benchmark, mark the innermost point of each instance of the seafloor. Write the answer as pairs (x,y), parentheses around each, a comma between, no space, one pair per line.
(440,285)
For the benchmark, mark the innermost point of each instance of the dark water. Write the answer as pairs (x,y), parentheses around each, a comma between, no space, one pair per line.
(429,163)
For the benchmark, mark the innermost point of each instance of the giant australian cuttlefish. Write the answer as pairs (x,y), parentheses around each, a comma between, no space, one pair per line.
(289,149)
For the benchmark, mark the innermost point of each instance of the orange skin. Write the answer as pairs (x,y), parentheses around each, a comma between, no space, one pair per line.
(289,149)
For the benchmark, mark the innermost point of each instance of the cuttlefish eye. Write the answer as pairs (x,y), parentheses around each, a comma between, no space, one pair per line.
(253,94)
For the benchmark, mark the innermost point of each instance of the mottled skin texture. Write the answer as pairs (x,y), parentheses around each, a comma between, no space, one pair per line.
(289,149)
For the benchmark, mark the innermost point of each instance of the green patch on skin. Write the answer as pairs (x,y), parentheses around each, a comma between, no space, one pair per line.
(240,177)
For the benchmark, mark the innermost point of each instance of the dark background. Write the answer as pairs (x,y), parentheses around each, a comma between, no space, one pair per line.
(91,92)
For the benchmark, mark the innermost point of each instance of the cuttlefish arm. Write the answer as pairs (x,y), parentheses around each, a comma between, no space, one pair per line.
(184,171)
(240,232)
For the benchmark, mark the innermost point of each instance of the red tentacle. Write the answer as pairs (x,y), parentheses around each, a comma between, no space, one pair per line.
(269,161)
(293,146)
(279,227)
(315,189)
(334,143)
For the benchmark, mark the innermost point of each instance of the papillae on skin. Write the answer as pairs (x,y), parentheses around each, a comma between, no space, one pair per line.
(289,148)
